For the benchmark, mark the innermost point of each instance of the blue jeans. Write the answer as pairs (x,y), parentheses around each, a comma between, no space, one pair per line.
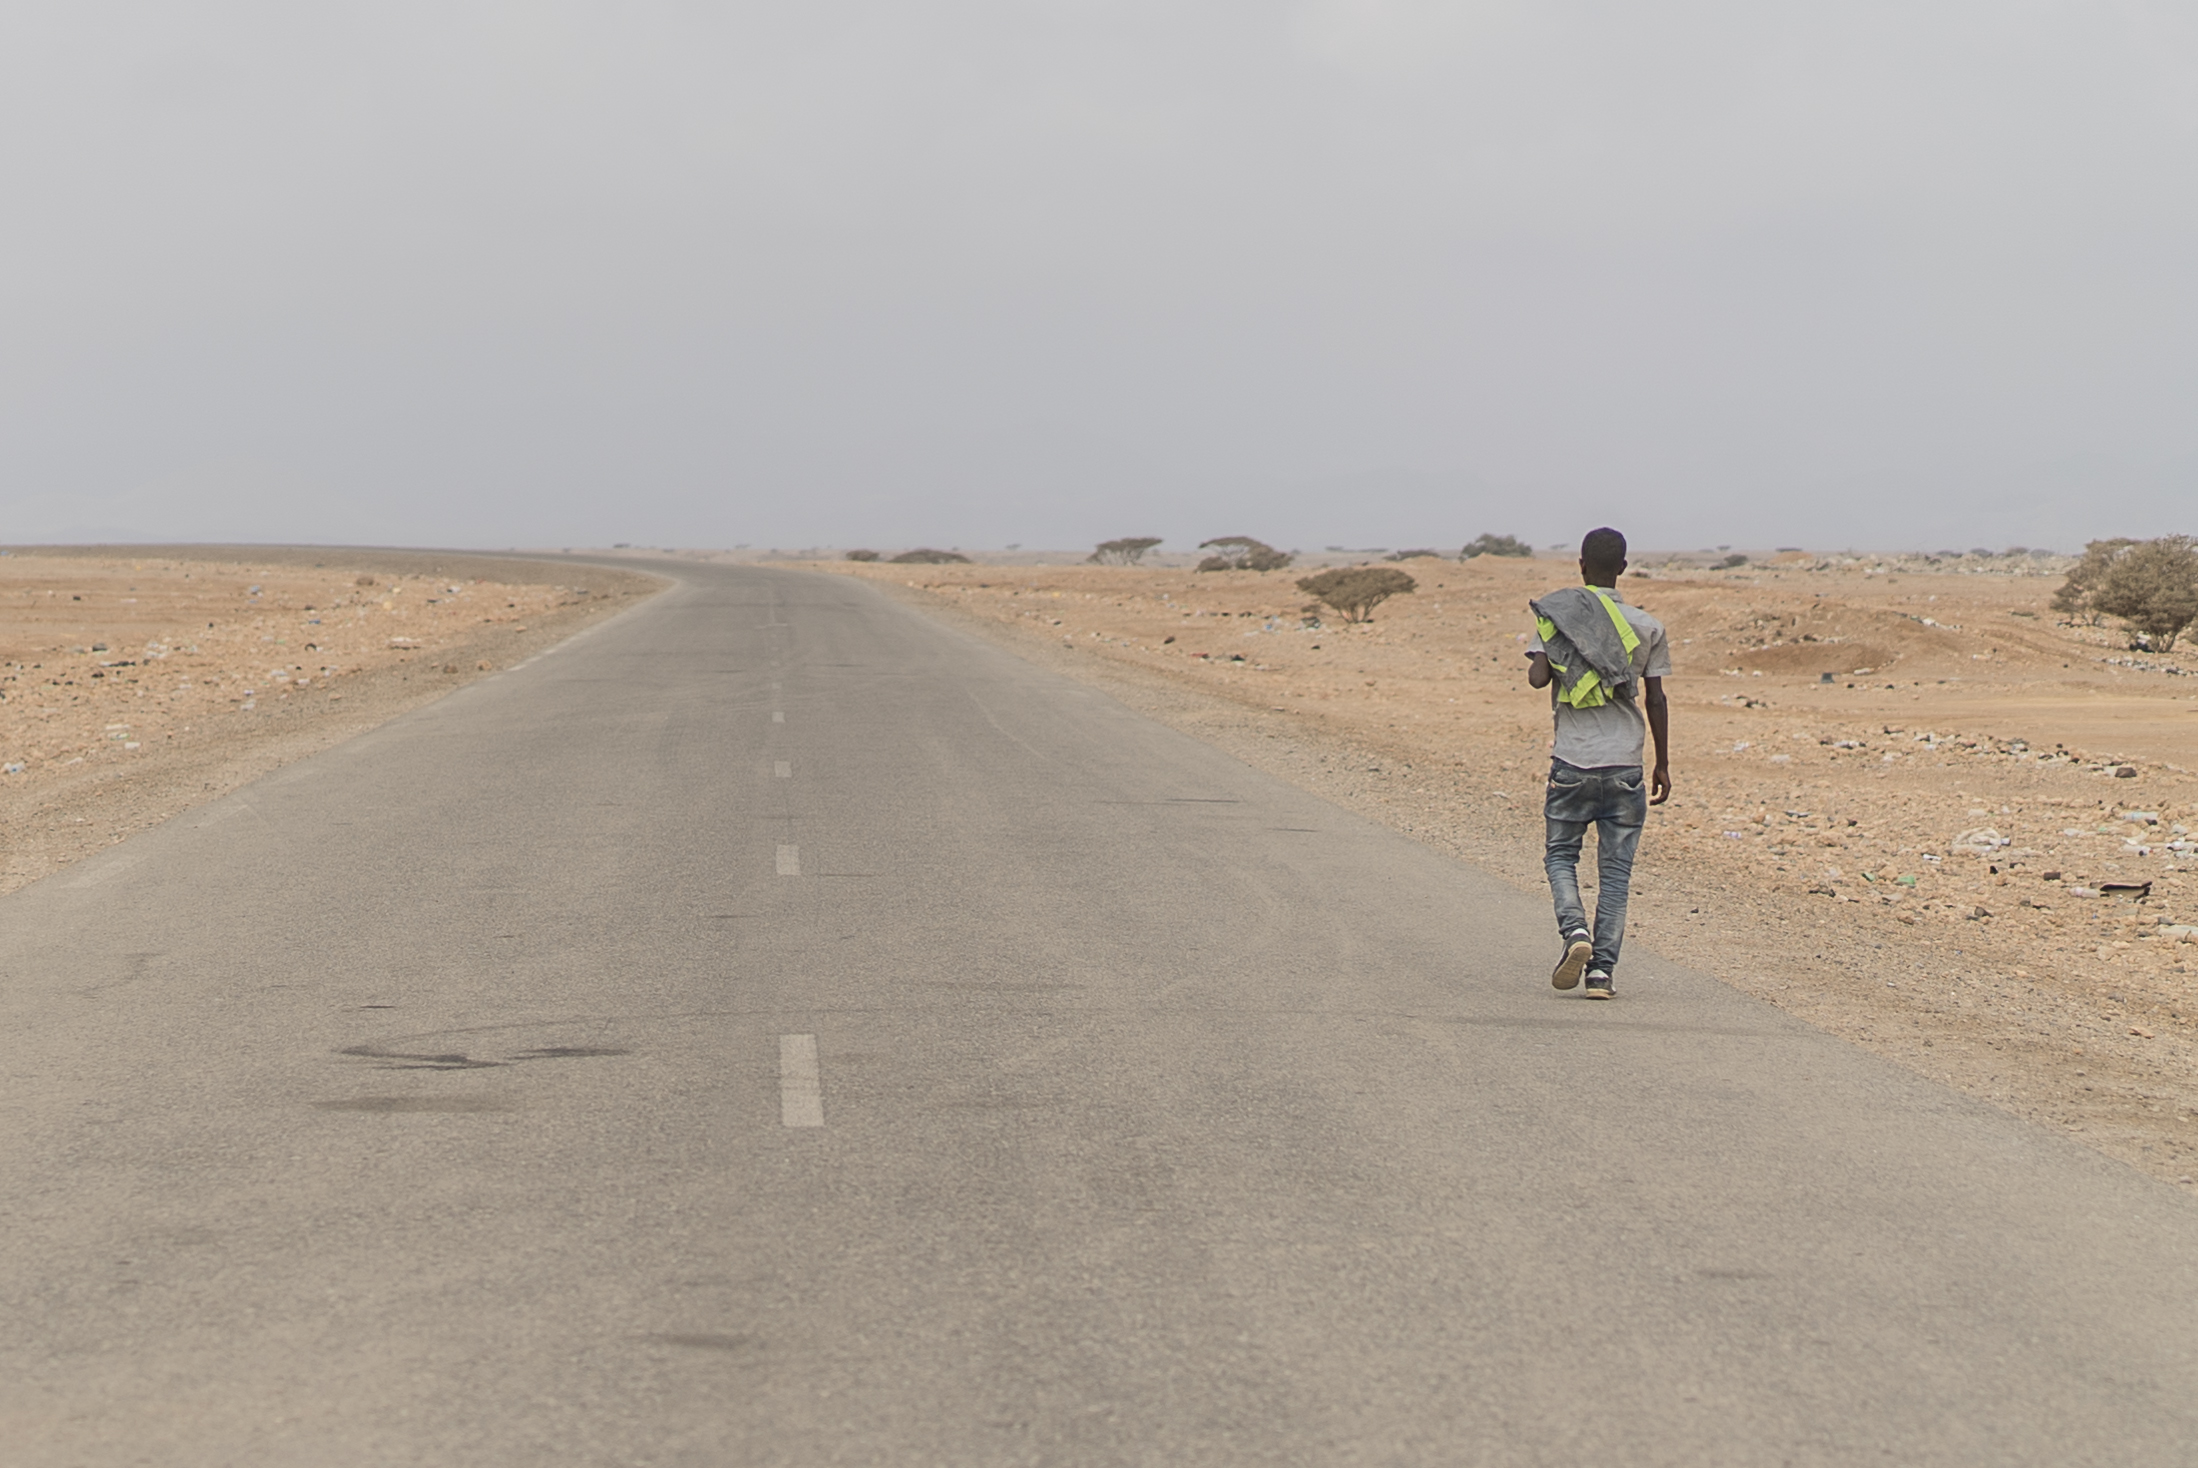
(1615,802)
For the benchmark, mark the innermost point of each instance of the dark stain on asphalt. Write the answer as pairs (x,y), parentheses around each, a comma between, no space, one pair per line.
(706,1341)
(390,1105)
(569,1052)
(401,1060)
(137,970)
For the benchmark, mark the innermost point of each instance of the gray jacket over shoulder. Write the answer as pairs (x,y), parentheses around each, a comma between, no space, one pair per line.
(1586,638)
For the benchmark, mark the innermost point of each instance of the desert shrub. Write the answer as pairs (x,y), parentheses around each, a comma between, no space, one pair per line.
(1242,553)
(2084,578)
(1409,555)
(1127,551)
(1356,590)
(1495,545)
(928,557)
(862,555)
(2152,585)
(1730,561)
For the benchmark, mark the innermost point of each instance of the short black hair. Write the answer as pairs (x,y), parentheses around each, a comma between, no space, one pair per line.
(1604,549)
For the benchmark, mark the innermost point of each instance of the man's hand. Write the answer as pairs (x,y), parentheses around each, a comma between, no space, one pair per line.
(1660,784)
(1537,670)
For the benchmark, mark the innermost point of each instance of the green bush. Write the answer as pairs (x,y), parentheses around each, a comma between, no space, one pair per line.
(929,557)
(1730,562)
(2074,597)
(2151,585)
(1127,551)
(1242,553)
(1356,590)
(862,555)
(1495,545)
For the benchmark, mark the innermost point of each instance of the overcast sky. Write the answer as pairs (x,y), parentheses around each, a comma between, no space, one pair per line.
(1911,274)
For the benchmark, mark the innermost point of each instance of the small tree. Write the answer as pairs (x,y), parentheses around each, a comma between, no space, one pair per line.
(1356,590)
(1127,551)
(2152,586)
(862,555)
(1411,555)
(929,557)
(2084,578)
(1495,545)
(1242,553)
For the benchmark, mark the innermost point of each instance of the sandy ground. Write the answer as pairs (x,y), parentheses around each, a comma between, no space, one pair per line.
(134,685)
(1900,853)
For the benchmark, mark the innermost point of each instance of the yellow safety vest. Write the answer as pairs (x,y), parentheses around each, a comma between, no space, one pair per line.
(1589,691)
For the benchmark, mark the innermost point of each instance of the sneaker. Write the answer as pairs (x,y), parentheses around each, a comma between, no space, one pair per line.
(1578,950)
(1598,987)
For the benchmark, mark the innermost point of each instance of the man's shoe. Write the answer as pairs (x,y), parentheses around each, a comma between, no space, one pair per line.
(1598,987)
(1577,953)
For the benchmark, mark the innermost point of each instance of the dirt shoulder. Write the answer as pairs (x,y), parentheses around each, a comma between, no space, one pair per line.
(1899,852)
(136,682)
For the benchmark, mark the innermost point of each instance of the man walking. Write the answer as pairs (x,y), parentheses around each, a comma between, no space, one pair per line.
(1604,664)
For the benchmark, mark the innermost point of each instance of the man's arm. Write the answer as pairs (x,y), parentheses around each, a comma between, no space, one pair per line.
(1659,722)
(1537,670)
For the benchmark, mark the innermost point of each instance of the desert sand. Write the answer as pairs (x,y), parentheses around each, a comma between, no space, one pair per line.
(134,685)
(1899,852)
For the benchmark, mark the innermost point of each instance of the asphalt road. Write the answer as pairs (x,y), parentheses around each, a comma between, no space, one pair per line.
(774,1028)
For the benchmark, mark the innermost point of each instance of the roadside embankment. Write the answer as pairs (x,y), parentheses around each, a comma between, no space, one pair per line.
(136,682)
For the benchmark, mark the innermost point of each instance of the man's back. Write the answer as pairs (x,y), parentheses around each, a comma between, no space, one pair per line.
(1614,732)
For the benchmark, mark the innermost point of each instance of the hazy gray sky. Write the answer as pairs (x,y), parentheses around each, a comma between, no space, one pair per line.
(1344,271)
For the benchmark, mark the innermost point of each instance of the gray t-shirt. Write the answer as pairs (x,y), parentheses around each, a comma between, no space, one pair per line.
(1615,733)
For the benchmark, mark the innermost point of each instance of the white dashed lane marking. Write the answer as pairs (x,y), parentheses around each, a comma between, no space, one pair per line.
(784,769)
(800,1092)
(789,861)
